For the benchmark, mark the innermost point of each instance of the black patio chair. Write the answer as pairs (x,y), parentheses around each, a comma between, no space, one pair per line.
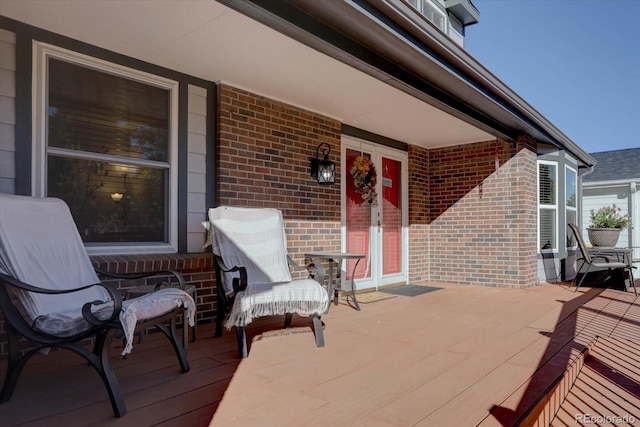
(590,261)
(51,295)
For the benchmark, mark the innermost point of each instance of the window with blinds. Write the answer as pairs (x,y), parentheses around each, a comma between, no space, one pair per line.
(96,112)
(548,207)
(107,138)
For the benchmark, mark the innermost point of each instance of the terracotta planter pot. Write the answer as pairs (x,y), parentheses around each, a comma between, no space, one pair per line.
(604,237)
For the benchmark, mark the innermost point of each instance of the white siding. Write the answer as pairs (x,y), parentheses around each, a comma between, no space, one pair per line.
(456,30)
(7,112)
(196,180)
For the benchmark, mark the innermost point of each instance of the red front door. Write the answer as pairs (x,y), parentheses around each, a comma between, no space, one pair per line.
(374,224)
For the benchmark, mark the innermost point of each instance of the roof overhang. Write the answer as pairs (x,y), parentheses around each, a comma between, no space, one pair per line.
(463,10)
(389,40)
(632,182)
(375,65)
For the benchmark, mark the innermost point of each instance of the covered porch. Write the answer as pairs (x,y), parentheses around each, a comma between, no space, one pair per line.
(459,355)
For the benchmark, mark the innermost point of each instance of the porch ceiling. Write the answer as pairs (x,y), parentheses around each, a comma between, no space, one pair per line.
(208,40)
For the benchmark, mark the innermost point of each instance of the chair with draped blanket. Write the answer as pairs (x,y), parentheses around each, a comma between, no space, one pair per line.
(254,280)
(51,295)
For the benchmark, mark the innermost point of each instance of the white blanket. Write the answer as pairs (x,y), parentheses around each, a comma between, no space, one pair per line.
(268,299)
(255,239)
(153,305)
(252,238)
(149,306)
(40,245)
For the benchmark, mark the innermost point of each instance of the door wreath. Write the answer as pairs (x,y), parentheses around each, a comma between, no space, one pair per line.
(364,179)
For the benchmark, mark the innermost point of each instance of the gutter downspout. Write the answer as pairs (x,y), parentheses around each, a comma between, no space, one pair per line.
(581,174)
(635,219)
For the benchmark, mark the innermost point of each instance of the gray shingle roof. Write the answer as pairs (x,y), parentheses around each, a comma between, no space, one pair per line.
(615,165)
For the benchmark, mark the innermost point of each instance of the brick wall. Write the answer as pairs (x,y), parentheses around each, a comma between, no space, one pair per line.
(468,223)
(418,214)
(263,161)
(483,220)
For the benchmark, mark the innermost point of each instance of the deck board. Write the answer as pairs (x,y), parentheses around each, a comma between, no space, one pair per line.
(442,358)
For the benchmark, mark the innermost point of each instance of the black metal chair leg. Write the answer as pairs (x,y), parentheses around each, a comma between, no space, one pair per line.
(103,365)
(633,282)
(222,308)
(584,276)
(242,342)
(218,332)
(317,329)
(14,366)
(171,332)
(287,320)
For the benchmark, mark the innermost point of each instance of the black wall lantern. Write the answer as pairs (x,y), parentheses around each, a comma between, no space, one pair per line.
(324,170)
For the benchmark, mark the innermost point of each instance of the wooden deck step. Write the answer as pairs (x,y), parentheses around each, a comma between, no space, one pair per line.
(550,402)
(607,389)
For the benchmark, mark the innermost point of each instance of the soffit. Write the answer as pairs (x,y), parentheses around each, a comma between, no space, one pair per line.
(416,57)
(208,40)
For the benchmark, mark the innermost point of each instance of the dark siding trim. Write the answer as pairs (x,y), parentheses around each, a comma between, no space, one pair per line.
(183,156)
(212,156)
(374,137)
(24,147)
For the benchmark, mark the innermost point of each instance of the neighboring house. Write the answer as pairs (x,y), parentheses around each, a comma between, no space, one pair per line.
(615,180)
(142,115)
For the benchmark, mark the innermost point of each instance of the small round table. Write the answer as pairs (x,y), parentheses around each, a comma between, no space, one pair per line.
(333,287)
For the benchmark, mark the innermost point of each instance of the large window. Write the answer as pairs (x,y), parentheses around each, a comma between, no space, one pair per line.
(106,145)
(548,206)
(571,204)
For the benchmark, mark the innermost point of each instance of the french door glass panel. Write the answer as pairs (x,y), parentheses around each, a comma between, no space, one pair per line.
(358,222)
(391,221)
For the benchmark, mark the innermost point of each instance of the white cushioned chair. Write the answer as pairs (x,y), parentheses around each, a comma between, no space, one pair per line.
(254,280)
(51,295)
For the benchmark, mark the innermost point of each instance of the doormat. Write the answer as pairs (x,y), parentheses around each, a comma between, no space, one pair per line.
(368,297)
(409,290)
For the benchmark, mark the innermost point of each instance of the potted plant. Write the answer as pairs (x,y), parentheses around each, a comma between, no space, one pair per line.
(606,224)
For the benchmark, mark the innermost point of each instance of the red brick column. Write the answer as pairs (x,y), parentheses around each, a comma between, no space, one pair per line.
(418,214)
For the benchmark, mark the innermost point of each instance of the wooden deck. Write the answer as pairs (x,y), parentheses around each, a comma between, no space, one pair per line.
(461,356)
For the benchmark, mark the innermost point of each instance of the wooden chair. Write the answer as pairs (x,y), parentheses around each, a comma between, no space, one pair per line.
(253,276)
(51,295)
(590,261)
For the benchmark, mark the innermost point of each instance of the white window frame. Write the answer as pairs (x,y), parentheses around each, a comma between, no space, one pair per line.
(548,207)
(41,53)
(567,208)
(434,8)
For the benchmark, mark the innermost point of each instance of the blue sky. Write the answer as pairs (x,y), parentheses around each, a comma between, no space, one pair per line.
(575,61)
